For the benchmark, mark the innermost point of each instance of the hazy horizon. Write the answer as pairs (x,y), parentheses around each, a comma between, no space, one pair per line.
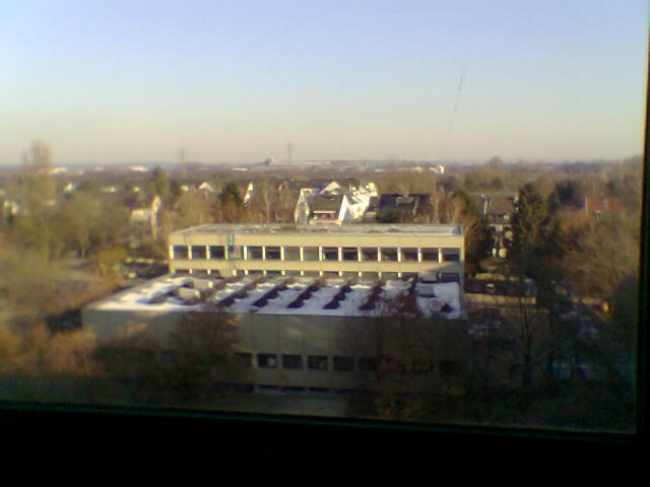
(116,82)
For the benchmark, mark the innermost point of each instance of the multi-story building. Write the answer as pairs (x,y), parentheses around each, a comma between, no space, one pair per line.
(297,333)
(364,250)
(306,299)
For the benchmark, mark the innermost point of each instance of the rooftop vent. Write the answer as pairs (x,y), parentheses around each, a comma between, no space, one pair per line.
(296,303)
(157,298)
(226,302)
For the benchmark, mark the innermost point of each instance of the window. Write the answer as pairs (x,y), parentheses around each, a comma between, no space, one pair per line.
(330,253)
(254,252)
(291,361)
(244,359)
(370,254)
(422,366)
(199,252)
(368,364)
(180,252)
(317,362)
(410,255)
(310,254)
(388,255)
(234,252)
(273,253)
(430,255)
(217,252)
(292,253)
(343,364)
(451,255)
(267,360)
(350,254)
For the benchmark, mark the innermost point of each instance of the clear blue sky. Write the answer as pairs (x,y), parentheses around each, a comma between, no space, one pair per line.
(117,81)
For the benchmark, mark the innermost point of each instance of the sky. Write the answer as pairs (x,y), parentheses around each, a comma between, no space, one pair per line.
(239,81)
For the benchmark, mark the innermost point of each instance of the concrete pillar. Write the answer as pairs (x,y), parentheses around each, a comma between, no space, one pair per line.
(320,254)
(419,254)
(359,256)
(264,253)
(440,255)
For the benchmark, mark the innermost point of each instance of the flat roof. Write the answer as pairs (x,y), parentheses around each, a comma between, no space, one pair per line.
(282,295)
(330,229)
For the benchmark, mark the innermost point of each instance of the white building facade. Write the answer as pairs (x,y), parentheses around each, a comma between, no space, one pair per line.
(359,250)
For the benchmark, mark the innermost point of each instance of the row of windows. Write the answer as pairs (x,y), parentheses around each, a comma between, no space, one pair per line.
(306,254)
(344,363)
(442,277)
(323,363)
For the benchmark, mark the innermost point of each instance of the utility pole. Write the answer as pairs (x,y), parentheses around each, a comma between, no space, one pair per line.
(290,149)
(183,158)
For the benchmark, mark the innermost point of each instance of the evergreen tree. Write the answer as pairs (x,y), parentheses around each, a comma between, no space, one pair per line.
(530,216)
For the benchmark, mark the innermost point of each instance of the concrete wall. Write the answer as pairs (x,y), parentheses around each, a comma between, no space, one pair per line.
(305,336)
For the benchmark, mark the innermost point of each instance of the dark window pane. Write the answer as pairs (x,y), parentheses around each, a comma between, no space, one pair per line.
(317,362)
(343,364)
(292,361)
(267,360)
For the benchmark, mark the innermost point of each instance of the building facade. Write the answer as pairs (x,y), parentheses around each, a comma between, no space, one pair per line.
(298,333)
(307,300)
(363,250)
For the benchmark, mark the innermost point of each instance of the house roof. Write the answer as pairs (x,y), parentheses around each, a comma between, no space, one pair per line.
(399,202)
(497,203)
(321,203)
(501,205)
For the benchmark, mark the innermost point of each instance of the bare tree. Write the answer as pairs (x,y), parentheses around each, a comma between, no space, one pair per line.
(195,208)
(203,343)
(37,178)
(265,198)
(400,357)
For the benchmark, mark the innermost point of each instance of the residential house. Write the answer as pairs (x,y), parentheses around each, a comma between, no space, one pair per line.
(144,220)
(498,209)
(398,208)
(333,203)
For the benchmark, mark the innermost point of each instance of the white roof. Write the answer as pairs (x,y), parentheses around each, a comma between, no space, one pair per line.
(163,294)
